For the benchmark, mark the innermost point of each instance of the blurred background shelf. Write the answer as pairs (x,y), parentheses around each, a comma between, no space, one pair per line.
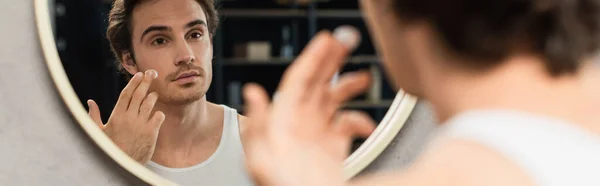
(281,31)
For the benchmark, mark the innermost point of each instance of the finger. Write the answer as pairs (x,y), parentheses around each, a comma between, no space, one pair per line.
(148,105)
(350,85)
(141,91)
(257,103)
(127,92)
(94,113)
(345,39)
(157,120)
(354,124)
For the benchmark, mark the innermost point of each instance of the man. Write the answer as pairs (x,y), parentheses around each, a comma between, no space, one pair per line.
(162,118)
(513,83)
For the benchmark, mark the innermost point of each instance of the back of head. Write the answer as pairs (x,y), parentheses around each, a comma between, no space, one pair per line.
(562,32)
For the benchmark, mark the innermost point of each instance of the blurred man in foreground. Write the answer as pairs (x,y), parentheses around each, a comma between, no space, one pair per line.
(513,83)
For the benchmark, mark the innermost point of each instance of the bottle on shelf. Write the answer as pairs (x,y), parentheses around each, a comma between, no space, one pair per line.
(374,93)
(286,51)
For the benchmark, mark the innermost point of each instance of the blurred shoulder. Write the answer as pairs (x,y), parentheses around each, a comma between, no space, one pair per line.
(455,162)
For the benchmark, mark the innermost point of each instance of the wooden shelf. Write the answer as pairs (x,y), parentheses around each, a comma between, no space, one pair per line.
(311,19)
(339,14)
(289,13)
(287,61)
(362,104)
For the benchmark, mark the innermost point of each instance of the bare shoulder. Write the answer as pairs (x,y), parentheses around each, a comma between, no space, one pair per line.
(241,120)
(454,162)
(242,124)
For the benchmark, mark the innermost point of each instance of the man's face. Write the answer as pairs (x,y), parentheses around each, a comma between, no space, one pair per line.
(171,37)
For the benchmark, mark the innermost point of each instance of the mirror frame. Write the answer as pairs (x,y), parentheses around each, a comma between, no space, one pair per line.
(388,128)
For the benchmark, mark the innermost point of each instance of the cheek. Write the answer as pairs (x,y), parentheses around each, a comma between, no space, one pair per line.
(400,64)
(390,44)
(393,55)
(398,59)
(204,53)
(205,50)
(159,65)
(157,58)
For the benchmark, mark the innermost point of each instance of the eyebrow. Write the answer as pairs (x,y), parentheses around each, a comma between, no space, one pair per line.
(165,28)
(194,23)
(154,28)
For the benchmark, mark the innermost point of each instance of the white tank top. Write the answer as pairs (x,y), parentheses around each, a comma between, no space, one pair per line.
(552,152)
(223,168)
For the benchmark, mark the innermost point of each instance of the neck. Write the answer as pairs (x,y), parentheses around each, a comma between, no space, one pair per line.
(520,85)
(185,124)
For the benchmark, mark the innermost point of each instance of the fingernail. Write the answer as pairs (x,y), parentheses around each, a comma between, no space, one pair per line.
(137,74)
(348,36)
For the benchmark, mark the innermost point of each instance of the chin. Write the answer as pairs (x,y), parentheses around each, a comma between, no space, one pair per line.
(191,97)
(182,94)
(182,97)
(177,100)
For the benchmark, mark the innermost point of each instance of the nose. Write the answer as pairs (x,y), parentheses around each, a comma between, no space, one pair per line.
(185,55)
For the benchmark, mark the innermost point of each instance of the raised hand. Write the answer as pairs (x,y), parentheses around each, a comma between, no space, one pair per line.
(132,125)
(302,138)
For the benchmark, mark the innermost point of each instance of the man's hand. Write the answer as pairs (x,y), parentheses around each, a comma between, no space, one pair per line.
(130,125)
(302,138)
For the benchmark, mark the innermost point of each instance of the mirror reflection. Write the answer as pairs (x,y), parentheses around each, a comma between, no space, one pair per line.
(164,78)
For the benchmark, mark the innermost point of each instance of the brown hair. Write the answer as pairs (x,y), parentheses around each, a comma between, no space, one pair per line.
(561,32)
(119,27)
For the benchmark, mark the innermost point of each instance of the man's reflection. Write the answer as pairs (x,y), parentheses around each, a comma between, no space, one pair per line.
(162,118)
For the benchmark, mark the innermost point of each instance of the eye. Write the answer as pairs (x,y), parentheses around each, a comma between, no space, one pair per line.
(159,41)
(196,35)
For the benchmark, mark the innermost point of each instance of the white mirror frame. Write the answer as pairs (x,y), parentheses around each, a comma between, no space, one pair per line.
(385,132)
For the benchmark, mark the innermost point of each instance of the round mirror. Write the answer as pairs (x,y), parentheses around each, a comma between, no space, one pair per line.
(202,64)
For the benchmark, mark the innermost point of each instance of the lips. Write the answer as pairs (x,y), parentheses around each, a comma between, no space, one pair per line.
(187,75)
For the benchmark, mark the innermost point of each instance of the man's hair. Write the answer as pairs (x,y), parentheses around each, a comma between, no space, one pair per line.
(562,32)
(120,29)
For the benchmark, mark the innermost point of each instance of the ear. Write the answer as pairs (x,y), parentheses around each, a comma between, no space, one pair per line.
(128,63)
